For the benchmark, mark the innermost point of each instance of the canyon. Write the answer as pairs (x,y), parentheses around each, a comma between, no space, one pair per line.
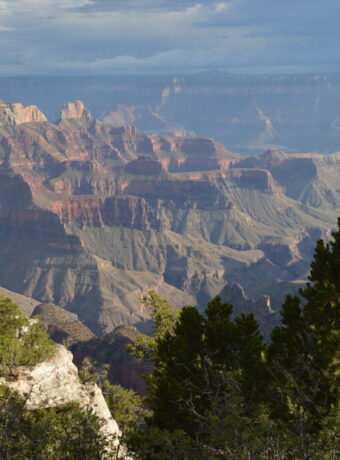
(92,216)
(247,113)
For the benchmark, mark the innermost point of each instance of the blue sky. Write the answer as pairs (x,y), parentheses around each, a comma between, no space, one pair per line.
(108,37)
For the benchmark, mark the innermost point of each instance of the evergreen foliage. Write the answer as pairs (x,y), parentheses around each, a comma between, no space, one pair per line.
(22,342)
(63,433)
(304,354)
(163,320)
(66,432)
(192,354)
(217,391)
(87,372)
(126,405)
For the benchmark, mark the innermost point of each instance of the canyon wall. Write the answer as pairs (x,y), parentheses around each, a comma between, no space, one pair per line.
(93,215)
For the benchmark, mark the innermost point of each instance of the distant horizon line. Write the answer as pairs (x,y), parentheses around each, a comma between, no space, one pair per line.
(179,74)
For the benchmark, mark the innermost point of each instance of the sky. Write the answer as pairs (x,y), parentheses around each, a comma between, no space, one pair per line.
(109,37)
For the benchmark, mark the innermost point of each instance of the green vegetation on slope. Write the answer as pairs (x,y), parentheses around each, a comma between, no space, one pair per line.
(22,342)
(63,433)
(26,304)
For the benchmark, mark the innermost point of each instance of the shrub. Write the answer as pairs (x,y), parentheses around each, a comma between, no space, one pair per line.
(22,342)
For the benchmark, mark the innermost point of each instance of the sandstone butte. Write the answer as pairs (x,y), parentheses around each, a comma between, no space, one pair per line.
(92,216)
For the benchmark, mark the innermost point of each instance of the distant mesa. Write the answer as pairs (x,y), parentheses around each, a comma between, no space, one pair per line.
(17,114)
(144,165)
(272,157)
(252,179)
(75,110)
(268,160)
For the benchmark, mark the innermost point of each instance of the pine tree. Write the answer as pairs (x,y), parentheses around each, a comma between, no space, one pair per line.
(192,357)
(217,391)
(304,354)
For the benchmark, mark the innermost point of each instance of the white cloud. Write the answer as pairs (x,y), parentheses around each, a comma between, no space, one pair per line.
(156,29)
(146,35)
(222,6)
(32,5)
(176,59)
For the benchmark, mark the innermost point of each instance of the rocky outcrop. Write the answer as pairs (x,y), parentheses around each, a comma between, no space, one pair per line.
(144,166)
(77,139)
(36,225)
(86,212)
(83,178)
(292,173)
(234,294)
(281,254)
(126,211)
(192,154)
(129,139)
(75,110)
(199,146)
(131,212)
(202,194)
(62,326)
(268,160)
(252,179)
(16,114)
(56,382)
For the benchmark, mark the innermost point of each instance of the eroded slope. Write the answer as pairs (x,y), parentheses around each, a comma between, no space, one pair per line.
(92,216)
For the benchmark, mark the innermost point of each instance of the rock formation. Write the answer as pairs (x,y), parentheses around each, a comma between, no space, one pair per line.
(16,114)
(92,216)
(75,110)
(234,294)
(56,382)
(62,326)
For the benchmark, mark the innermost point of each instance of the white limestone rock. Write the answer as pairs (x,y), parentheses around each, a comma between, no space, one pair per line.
(56,382)
(75,110)
(16,114)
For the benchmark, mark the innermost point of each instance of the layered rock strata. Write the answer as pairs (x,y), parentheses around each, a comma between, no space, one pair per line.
(93,215)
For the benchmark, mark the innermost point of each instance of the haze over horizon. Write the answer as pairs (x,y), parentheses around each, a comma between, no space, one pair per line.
(108,37)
